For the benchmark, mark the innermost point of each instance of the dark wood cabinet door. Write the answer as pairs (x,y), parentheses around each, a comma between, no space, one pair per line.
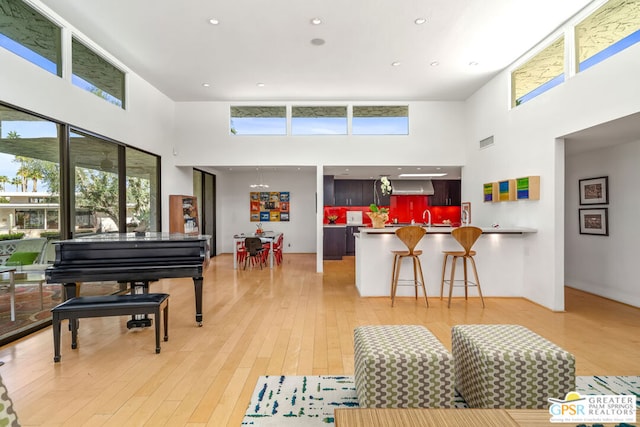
(455,193)
(439,197)
(367,192)
(351,240)
(334,242)
(329,194)
(348,192)
(446,192)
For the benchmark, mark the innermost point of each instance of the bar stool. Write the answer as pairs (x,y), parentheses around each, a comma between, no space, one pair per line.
(410,236)
(466,236)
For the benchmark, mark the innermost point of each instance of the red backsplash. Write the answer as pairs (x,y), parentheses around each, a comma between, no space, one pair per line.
(404,208)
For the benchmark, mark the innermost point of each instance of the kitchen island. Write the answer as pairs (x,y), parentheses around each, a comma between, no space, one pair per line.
(501,256)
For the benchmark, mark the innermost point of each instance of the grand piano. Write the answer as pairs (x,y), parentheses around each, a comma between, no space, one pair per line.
(133,258)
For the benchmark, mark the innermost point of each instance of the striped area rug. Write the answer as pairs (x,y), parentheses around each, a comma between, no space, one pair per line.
(308,401)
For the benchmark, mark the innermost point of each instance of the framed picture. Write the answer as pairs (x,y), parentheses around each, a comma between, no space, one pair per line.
(594,191)
(594,221)
(465,212)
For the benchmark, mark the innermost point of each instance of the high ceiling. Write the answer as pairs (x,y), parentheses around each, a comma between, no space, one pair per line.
(172,45)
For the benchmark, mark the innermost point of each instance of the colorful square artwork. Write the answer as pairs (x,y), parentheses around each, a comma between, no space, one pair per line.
(507,190)
(528,188)
(269,206)
(490,192)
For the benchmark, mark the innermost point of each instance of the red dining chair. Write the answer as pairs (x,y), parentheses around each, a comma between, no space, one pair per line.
(277,249)
(266,247)
(241,252)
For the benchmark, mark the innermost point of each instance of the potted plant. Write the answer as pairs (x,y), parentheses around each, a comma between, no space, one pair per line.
(332,218)
(378,215)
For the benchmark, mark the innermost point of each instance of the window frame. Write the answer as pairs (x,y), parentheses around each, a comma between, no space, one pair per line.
(355,126)
(333,120)
(85,81)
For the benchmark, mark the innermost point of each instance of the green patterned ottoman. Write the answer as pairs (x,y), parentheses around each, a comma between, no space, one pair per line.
(509,366)
(402,366)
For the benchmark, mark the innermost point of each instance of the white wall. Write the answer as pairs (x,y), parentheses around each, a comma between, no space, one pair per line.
(526,143)
(233,208)
(605,265)
(436,138)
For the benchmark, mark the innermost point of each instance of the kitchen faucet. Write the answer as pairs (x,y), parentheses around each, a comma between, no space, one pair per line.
(426,211)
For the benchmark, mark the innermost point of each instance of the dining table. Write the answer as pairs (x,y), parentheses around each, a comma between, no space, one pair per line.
(265,237)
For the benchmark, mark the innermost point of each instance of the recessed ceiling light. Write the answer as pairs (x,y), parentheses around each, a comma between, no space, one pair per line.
(399,169)
(473,63)
(395,64)
(213,21)
(420,21)
(434,63)
(418,168)
(316,21)
(260,84)
(317,42)
(206,84)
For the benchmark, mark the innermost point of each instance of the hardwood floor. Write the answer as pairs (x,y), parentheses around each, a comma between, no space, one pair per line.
(289,320)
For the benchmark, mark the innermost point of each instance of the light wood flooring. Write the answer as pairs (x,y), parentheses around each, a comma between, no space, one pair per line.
(289,320)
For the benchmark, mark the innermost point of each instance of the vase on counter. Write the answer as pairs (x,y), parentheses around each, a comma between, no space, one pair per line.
(378,219)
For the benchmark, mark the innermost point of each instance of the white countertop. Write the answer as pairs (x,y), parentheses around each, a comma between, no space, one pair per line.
(447,230)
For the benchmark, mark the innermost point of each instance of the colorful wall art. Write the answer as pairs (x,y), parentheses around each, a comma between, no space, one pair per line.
(269,206)
(525,188)
(507,190)
(528,188)
(491,192)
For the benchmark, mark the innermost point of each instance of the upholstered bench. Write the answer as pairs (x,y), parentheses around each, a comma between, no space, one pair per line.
(108,305)
(509,366)
(402,366)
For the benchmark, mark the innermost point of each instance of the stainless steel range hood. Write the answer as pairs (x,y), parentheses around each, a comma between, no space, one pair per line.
(409,187)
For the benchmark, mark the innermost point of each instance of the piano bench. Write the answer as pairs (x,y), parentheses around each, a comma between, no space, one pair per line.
(108,305)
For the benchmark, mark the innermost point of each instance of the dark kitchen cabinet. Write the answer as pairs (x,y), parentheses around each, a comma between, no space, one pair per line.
(351,240)
(329,195)
(358,192)
(348,192)
(367,192)
(333,242)
(446,192)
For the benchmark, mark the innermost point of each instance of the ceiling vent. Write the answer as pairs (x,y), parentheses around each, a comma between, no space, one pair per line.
(407,187)
(487,142)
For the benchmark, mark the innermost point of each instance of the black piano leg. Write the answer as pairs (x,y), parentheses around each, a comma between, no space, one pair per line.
(140,320)
(197,286)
